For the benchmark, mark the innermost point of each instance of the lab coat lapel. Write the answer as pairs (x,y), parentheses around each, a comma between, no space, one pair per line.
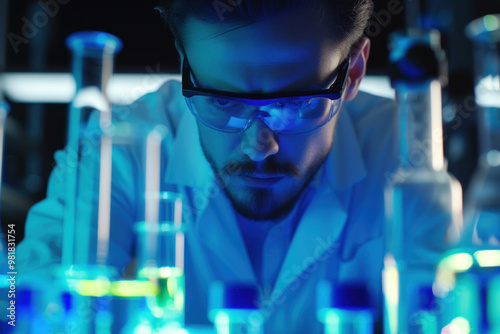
(217,229)
(315,240)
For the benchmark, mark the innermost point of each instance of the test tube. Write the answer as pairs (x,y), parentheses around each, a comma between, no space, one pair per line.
(234,308)
(344,308)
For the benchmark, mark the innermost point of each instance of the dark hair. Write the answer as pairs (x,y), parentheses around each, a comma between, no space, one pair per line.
(349,18)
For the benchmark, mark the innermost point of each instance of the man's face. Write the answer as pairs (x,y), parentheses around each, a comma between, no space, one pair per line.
(263,173)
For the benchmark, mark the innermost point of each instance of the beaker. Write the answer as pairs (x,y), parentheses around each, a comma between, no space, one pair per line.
(482,211)
(160,257)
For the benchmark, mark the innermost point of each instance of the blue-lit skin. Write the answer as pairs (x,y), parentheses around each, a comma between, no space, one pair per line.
(289,52)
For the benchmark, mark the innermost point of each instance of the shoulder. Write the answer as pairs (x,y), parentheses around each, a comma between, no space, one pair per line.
(367,110)
(163,106)
(374,120)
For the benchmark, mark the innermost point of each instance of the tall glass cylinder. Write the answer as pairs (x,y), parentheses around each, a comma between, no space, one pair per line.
(87,175)
(88,156)
(423,202)
(483,198)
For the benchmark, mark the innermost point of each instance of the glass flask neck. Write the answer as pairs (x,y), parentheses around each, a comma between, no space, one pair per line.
(420,125)
(96,71)
(484,32)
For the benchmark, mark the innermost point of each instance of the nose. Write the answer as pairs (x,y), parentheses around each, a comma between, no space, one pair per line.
(259,142)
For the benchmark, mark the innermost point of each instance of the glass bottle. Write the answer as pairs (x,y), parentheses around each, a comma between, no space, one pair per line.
(234,308)
(482,206)
(423,202)
(345,308)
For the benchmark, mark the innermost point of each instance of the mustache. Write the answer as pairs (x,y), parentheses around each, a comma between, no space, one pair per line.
(271,166)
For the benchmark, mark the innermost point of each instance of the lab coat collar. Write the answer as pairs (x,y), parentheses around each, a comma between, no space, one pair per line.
(344,165)
(317,239)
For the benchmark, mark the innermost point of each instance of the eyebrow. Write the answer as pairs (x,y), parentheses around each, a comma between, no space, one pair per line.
(215,35)
(188,79)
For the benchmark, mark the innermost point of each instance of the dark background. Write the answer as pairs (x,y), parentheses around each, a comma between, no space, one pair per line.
(35,132)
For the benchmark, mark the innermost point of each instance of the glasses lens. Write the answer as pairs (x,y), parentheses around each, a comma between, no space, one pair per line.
(288,115)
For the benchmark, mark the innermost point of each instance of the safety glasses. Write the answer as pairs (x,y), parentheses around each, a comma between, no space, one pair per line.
(284,113)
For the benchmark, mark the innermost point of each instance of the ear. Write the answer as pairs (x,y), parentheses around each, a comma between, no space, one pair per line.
(181,52)
(359,59)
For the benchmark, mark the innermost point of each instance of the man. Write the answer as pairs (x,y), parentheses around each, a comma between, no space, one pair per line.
(283,170)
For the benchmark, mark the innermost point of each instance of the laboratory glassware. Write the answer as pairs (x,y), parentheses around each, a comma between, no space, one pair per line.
(468,284)
(160,258)
(345,308)
(87,174)
(482,204)
(88,156)
(234,308)
(467,277)
(423,201)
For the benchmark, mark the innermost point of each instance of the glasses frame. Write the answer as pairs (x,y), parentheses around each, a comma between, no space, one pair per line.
(334,92)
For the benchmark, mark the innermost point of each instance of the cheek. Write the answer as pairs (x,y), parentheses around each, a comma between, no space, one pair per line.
(307,148)
(220,146)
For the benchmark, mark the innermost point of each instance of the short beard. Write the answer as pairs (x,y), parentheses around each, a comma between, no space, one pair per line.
(260,199)
(261,204)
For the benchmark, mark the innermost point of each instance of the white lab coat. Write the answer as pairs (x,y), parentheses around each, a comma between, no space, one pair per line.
(339,237)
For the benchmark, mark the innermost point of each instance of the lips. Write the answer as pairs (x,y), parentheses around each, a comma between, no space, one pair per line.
(260,180)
